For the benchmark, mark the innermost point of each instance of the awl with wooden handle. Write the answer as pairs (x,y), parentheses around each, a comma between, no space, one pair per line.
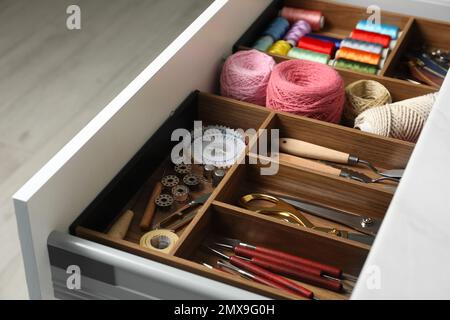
(147,218)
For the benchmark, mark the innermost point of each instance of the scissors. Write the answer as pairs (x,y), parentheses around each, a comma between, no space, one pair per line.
(283,210)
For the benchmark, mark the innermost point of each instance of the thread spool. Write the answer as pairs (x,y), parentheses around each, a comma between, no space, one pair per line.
(159,240)
(337,42)
(355,66)
(401,120)
(263,43)
(364,94)
(306,88)
(164,202)
(308,55)
(280,47)
(121,226)
(277,28)
(180,193)
(316,45)
(297,31)
(362,35)
(360,56)
(315,18)
(386,29)
(365,46)
(245,75)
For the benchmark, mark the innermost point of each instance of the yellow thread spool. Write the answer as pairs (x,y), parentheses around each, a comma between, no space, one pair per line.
(160,240)
(280,47)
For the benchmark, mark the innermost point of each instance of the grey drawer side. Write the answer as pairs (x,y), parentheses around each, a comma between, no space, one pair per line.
(107,273)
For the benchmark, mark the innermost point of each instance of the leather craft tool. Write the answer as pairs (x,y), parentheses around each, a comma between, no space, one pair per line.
(249,266)
(120,227)
(313,151)
(180,193)
(159,240)
(192,181)
(315,267)
(164,202)
(179,218)
(283,210)
(149,212)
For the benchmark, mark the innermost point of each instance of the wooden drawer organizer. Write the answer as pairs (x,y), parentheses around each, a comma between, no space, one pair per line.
(341,19)
(221,215)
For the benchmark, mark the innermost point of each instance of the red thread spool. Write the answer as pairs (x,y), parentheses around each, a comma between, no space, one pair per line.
(315,18)
(373,37)
(317,45)
(358,55)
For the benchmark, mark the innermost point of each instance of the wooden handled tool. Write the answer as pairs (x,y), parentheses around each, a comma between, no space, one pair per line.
(120,227)
(147,218)
(312,151)
(309,164)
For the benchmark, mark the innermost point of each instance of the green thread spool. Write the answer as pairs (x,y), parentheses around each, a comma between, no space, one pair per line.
(356,66)
(308,55)
(263,43)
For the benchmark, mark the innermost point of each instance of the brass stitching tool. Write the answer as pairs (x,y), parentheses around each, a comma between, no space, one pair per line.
(283,210)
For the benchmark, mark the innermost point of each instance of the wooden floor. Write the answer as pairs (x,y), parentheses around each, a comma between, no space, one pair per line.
(53,81)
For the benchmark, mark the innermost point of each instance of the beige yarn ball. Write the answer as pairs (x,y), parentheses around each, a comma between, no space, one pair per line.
(401,120)
(362,95)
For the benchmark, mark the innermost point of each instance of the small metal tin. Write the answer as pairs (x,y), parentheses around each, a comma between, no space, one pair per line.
(208,170)
(217,177)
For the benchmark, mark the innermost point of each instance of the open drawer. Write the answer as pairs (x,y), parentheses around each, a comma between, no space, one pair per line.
(98,174)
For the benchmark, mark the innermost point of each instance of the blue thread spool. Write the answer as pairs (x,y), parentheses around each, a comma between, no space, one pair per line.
(337,42)
(277,29)
(263,43)
(381,28)
(364,46)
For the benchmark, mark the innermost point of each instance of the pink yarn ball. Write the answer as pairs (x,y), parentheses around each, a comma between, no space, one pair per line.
(245,76)
(308,89)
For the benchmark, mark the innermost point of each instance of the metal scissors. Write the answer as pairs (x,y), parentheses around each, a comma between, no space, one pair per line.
(285,211)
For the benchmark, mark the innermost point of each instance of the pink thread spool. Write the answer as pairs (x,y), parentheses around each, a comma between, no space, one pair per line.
(308,89)
(245,76)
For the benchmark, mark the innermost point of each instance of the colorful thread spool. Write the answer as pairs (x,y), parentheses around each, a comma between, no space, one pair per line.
(317,45)
(387,29)
(245,75)
(355,66)
(297,31)
(306,88)
(382,39)
(277,28)
(364,46)
(360,56)
(280,47)
(308,55)
(313,17)
(337,42)
(263,43)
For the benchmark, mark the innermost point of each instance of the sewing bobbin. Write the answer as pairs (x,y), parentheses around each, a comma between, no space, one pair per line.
(169,182)
(180,193)
(192,181)
(161,240)
(164,202)
(182,169)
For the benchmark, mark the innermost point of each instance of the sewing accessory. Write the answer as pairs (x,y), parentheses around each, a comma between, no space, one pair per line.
(299,272)
(286,212)
(280,48)
(297,31)
(159,240)
(245,75)
(360,56)
(180,218)
(308,150)
(221,146)
(337,42)
(120,228)
(362,95)
(192,181)
(367,36)
(180,193)
(317,45)
(355,66)
(170,181)
(315,18)
(182,169)
(164,202)
(250,267)
(381,28)
(277,28)
(149,212)
(401,120)
(419,72)
(365,46)
(217,177)
(208,171)
(308,89)
(263,43)
(298,53)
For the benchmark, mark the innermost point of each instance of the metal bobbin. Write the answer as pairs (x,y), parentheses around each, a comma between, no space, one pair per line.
(164,202)
(170,181)
(208,170)
(192,181)
(180,193)
(183,169)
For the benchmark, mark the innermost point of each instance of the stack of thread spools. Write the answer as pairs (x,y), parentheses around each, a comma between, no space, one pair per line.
(291,34)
